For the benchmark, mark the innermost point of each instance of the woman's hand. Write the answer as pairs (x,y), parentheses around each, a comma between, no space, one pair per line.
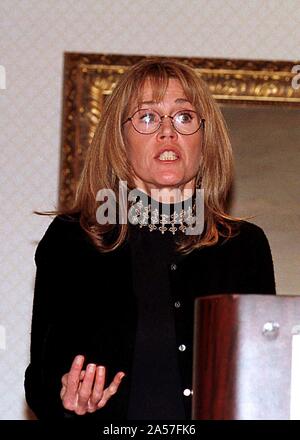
(83,390)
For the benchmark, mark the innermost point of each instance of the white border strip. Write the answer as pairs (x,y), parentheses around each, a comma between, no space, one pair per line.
(295,379)
(2,338)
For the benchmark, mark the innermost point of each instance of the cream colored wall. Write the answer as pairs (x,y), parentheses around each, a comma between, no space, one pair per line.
(33,37)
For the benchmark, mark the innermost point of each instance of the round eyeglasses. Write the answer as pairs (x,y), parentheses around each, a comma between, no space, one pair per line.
(148,121)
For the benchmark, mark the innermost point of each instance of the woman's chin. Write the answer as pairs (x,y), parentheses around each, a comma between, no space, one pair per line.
(171,183)
(168,180)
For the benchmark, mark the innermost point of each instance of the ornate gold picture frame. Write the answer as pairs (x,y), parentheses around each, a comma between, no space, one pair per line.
(88,78)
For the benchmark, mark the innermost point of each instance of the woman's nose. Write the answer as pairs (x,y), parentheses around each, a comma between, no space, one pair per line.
(166,128)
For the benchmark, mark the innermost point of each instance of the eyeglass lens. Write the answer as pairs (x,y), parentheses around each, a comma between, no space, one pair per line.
(148,121)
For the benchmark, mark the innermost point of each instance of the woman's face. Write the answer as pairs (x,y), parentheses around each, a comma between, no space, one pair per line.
(145,152)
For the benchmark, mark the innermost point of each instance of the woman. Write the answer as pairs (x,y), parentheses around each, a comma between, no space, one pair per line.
(112,325)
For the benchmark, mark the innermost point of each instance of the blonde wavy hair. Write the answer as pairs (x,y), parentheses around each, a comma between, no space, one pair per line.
(107,162)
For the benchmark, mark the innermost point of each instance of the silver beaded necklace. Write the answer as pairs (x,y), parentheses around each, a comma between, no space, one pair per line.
(147,216)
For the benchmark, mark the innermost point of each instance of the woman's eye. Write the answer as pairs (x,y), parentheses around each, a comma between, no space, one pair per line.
(184,117)
(147,118)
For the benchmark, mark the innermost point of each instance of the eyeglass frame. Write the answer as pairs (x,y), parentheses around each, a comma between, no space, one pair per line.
(202,121)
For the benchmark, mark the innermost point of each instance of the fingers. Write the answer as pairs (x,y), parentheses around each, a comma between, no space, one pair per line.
(64,380)
(98,387)
(86,388)
(74,374)
(70,384)
(111,389)
(83,390)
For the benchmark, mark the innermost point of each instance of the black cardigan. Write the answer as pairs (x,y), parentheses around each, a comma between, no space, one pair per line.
(84,303)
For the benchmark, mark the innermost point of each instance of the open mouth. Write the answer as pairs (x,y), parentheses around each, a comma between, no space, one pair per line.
(168,155)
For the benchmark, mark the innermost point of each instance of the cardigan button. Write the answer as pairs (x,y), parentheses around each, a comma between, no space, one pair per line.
(173,266)
(177,304)
(182,347)
(187,392)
